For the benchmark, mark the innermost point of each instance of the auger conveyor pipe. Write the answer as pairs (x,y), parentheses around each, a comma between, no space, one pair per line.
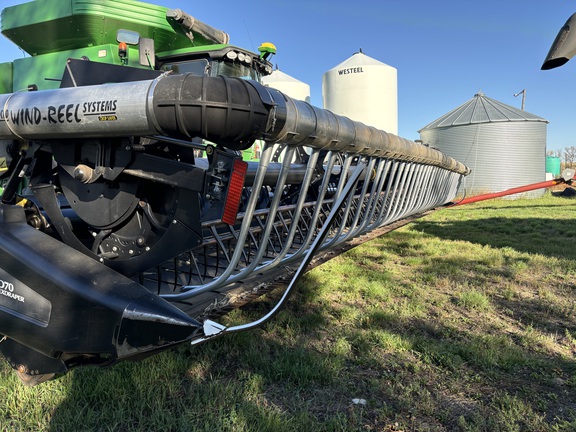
(228,111)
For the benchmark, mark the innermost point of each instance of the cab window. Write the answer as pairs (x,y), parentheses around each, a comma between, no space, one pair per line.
(196,67)
(234,70)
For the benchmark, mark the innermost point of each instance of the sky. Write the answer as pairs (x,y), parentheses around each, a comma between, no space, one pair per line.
(445,51)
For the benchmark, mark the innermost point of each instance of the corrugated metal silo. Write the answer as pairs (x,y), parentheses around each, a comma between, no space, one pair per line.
(365,90)
(504,146)
(288,85)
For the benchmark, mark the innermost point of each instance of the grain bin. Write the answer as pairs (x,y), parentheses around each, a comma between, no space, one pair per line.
(287,85)
(363,89)
(504,146)
(290,86)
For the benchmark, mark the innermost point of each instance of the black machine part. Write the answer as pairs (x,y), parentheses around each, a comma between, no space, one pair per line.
(141,219)
(56,317)
(564,46)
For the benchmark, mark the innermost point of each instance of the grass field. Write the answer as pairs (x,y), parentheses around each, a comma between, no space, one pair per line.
(464,320)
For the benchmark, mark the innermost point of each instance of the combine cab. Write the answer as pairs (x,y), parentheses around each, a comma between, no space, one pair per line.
(129,219)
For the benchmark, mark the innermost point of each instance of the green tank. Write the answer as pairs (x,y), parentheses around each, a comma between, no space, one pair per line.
(119,32)
(553,165)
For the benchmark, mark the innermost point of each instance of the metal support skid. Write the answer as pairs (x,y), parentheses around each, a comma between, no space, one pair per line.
(117,248)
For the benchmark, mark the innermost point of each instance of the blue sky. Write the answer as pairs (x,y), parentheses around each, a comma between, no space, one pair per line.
(445,51)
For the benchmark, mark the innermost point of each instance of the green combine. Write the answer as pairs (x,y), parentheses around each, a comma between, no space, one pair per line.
(122,32)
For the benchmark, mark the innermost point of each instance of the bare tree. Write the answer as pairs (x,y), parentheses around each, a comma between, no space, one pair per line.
(554,153)
(569,156)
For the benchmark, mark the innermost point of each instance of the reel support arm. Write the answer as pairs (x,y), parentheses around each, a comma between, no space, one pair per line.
(212,329)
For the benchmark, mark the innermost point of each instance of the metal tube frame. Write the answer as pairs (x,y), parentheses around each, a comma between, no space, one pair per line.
(281,235)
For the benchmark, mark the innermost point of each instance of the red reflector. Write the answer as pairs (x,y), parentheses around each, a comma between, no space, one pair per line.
(234,195)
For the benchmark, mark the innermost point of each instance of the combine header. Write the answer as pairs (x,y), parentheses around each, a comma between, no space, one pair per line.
(128,217)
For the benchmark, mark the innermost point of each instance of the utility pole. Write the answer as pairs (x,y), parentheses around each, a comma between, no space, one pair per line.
(523,93)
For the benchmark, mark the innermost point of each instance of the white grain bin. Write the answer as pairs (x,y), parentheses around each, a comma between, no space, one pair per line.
(363,89)
(504,146)
(286,84)
(290,86)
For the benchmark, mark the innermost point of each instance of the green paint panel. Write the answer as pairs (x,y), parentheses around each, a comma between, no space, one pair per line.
(47,26)
(45,70)
(6,77)
(192,50)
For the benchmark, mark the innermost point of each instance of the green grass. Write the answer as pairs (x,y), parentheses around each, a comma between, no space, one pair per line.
(473,299)
(462,321)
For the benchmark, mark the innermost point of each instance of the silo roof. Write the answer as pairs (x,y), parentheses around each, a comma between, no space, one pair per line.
(278,76)
(359,59)
(482,109)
